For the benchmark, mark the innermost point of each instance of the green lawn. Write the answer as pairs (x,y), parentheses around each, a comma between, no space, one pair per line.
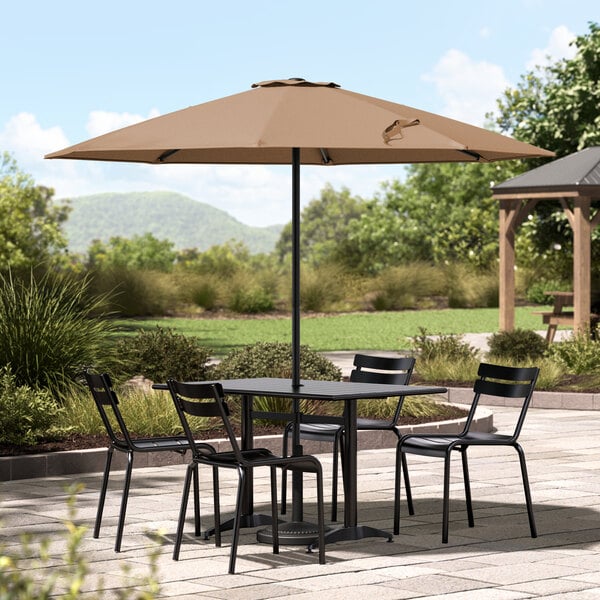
(355,331)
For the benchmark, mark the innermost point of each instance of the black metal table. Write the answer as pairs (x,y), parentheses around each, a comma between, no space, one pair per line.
(298,532)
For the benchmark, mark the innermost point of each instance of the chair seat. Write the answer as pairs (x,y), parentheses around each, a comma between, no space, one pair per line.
(376,424)
(262,457)
(319,431)
(437,445)
(150,444)
(428,446)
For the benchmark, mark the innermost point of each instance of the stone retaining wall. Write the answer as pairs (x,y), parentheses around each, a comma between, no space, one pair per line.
(92,460)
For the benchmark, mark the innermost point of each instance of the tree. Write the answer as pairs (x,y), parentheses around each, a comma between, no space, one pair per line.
(30,224)
(442,213)
(325,222)
(557,107)
(139,252)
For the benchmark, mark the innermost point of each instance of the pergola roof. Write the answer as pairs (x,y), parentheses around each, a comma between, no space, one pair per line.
(579,172)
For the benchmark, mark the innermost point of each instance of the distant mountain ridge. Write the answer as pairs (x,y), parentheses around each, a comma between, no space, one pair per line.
(166,215)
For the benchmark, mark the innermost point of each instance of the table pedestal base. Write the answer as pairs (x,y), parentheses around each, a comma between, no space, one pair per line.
(291,534)
(345,534)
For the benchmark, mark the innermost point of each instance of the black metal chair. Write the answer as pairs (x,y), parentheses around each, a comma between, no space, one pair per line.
(121,440)
(368,369)
(494,380)
(207,400)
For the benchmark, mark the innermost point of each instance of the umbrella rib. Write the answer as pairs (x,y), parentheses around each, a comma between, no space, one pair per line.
(325,156)
(168,153)
(475,155)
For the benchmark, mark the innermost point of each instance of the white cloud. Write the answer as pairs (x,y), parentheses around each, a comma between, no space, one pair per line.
(26,138)
(101,121)
(558,47)
(468,88)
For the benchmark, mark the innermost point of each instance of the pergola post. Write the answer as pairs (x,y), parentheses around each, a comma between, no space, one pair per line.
(582,251)
(506,288)
(513,212)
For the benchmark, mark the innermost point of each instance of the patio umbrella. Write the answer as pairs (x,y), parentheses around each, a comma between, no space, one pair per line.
(298,122)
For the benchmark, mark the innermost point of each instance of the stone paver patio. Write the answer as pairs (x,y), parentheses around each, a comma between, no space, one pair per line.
(495,560)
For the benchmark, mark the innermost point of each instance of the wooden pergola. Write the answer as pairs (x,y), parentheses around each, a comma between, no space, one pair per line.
(574,181)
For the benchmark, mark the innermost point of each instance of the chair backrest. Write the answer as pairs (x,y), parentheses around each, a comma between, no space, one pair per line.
(384,370)
(107,404)
(202,400)
(504,382)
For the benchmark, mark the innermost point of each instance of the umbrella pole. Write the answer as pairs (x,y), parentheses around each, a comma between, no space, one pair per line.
(296,267)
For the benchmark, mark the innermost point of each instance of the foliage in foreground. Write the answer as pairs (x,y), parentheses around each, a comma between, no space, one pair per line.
(50,329)
(67,580)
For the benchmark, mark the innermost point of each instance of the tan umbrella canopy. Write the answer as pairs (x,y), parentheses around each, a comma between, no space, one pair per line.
(298,122)
(330,126)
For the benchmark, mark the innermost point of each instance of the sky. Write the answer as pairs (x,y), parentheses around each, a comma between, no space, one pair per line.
(73,70)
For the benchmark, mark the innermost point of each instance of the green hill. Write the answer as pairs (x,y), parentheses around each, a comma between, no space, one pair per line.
(166,215)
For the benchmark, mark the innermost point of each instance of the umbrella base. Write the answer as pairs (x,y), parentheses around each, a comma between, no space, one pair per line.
(295,533)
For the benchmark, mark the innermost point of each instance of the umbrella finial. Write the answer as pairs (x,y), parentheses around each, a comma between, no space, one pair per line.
(299,81)
(395,129)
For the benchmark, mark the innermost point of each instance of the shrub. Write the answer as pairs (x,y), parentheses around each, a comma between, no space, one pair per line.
(399,288)
(205,294)
(135,293)
(517,345)
(320,288)
(147,413)
(50,329)
(536,291)
(471,289)
(26,415)
(274,359)
(251,300)
(447,347)
(160,354)
(579,355)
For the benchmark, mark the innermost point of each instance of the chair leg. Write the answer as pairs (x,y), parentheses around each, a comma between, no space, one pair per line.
(183,509)
(527,490)
(284,453)
(400,458)
(109,455)
(409,500)
(337,447)
(217,508)
(321,516)
(197,528)
(465,465)
(237,518)
(446,500)
(274,517)
(124,499)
